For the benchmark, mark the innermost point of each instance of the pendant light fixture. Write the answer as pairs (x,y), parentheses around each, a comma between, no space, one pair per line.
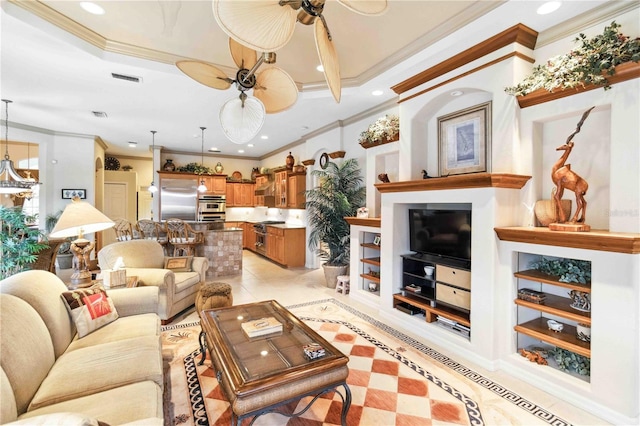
(10,181)
(152,188)
(202,187)
(28,194)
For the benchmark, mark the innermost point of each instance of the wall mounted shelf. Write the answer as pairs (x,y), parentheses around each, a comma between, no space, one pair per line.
(471,180)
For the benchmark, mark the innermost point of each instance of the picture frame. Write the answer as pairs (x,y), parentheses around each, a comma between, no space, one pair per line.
(464,141)
(68,194)
(376,240)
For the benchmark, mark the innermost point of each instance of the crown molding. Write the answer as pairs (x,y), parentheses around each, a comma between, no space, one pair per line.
(604,13)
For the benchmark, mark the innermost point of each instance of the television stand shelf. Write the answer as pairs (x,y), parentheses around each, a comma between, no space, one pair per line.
(446,292)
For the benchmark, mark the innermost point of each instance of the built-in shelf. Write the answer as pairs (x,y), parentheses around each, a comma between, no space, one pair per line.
(375,261)
(432,312)
(541,277)
(364,221)
(566,339)
(624,72)
(470,180)
(618,242)
(373,278)
(557,305)
(367,145)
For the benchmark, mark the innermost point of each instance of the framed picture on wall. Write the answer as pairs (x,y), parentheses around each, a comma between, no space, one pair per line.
(68,194)
(464,140)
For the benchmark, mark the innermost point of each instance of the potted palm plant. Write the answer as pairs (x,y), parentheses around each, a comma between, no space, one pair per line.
(19,242)
(339,194)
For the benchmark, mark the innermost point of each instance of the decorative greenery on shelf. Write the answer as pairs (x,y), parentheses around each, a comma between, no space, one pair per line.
(385,128)
(569,270)
(570,361)
(19,243)
(589,63)
(196,168)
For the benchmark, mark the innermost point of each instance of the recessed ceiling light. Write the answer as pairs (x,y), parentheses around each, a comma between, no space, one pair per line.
(132,144)
(264,137)
(320,68)
(240,151)
(457,93)
(92,8)
(250,145)
(548,7)
(214,149)
(377,92)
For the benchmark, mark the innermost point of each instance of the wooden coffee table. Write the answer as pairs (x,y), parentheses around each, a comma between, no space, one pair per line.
(262,373)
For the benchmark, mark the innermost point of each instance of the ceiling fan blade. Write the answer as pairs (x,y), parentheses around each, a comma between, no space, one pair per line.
(276,89)
(243,56)
(329,59)
(241,120)
(264,25)
(365,7)
(205,74)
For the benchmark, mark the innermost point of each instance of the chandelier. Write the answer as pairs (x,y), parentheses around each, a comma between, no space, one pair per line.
(10,181)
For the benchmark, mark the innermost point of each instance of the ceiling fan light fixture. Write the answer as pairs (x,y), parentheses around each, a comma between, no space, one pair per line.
(241,123)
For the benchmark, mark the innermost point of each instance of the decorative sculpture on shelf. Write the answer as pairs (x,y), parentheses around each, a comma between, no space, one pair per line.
(565,178)
(383,178)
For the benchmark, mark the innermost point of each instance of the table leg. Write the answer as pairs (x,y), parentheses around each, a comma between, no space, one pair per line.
(346,404)
(202,340)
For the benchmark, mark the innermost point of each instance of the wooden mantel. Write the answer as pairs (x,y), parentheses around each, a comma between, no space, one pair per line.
(471,180)
(618,242)
(363,221)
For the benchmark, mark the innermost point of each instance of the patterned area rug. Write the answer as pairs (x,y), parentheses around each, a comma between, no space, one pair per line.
(394,380)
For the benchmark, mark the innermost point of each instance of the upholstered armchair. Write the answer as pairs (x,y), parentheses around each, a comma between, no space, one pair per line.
(145,259)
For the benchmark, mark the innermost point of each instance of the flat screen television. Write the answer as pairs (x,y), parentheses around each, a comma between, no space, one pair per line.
(440,232)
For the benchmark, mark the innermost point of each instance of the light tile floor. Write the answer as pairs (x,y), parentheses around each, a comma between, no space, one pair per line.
(264,280)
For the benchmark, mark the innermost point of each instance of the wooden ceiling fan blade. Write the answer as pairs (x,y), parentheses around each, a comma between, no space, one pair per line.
(365,7)
(264,26)
(205,74)
(276,89)
(329,59)
(243,56)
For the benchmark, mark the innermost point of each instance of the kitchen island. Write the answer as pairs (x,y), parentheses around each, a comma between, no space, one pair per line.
(222,247)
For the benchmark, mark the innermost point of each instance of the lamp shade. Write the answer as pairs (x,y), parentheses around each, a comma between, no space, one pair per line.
(79,218)
(241,123)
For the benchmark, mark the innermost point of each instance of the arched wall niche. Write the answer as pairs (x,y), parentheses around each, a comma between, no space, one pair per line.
(419,127)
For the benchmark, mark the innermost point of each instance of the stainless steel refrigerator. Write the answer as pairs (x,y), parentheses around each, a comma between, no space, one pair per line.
(178,199)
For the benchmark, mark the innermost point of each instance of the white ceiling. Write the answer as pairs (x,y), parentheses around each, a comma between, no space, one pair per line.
(56,79)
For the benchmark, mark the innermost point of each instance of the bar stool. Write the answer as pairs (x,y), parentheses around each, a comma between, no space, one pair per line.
(211,295)
(342,286)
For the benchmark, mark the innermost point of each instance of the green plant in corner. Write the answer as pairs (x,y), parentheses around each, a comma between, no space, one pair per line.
(339,194)
(589,63)
(569,270)
(570,361)
(19,243)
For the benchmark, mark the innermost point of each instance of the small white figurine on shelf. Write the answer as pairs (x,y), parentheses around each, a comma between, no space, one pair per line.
(363,212)
(555,326)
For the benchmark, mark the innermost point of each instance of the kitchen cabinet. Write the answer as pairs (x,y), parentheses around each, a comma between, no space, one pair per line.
(263,194)
(281,188)
(286,246)
(216,184)
(249,237)
(296,186)
(240,194)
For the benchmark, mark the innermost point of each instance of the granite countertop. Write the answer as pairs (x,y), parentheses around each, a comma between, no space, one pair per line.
(286,226)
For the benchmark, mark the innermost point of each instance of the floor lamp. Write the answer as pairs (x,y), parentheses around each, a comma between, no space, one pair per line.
(79,218)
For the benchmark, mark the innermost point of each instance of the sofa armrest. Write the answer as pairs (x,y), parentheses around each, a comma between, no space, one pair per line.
(200,265)
(162,278)
(135,301)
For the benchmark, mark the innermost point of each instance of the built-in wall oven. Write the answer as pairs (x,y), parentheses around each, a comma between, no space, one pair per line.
(212,208)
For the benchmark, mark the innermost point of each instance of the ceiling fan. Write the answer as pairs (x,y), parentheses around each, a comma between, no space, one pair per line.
(273,90)
(268,25)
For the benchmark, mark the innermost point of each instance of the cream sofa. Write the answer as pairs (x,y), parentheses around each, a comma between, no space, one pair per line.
(50,376)
(145,259)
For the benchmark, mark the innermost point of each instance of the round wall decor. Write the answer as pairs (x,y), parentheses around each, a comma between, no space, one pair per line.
(111,163)
(324,160)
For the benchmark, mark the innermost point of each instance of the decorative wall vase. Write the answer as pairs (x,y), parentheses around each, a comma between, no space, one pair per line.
(546,213)
(219,168)
(290,161)
(169,166)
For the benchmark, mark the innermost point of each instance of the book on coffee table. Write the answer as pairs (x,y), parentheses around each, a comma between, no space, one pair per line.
(262,326)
